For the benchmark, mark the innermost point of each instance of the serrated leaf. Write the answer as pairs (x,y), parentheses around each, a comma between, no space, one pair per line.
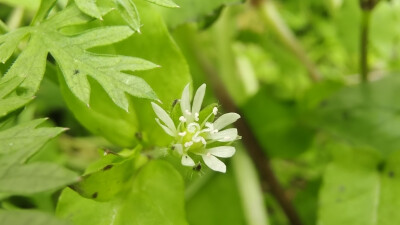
(10,104)
(17,145)
(129,13)
(34,178)
(166,3)
(76,62)
(26,138)
(361,185)
(155,197)
(24,217)
(9,42)
(89,7)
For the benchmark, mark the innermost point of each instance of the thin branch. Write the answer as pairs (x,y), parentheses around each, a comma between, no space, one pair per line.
(252,145)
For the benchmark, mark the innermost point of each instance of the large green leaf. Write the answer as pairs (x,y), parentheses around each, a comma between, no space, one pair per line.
(364,115)
(155,198)
(109,176)
(76,63)
(24,217)
(360,188)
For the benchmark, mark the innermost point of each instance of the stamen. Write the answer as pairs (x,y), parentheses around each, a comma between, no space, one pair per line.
(182,119)
(208,154)
(192,127)
(215,110)
(188,144)
(196,116)
(187,112)
(182,133)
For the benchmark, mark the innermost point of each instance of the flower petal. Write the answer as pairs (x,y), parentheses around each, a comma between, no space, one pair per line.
(213,163)
(227,135)
(185,100)
(222,151)
(187,161)
(225,120)
(164,117)
(166,129)
(198,99)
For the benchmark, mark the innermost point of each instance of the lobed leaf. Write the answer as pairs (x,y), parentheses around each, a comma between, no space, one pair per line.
(75,61)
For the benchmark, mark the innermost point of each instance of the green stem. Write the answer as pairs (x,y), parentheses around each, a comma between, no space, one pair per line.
(15,19)
(364,39)
(250,189)
(3,27)
(271,17)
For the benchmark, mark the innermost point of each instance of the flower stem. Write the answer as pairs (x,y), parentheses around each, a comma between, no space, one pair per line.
(249,189)
(364,39)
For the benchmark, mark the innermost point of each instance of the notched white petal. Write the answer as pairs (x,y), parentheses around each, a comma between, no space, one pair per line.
(225,120)
(164,117)
(198,99)
(185,100)
(187,161)
(222,151)
(227,135)
(166,129)
(213,163)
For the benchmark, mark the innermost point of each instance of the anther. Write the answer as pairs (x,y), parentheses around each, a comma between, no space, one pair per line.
(215,110)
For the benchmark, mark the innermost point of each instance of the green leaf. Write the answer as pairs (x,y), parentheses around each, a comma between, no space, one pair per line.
(166,3)
(363,115)
(76,63)
(362,186)
(107,177)
(34,178)
(23,217)
(130,14)
(155,198)
(9,42)
(17,145)
(89,7)
(10,104)
(26,138)
(43,11)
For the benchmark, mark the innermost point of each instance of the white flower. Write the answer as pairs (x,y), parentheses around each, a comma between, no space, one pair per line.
(192,136)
